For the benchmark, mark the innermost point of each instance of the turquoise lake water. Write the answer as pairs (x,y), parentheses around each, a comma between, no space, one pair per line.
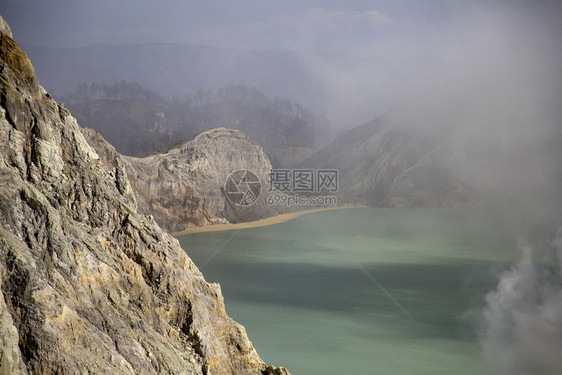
(361,290)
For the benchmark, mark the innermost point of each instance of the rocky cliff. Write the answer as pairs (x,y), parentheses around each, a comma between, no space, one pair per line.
(88,284)
(184,186)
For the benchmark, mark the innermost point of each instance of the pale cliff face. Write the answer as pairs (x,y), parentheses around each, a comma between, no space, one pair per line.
(89,284)
(184,186)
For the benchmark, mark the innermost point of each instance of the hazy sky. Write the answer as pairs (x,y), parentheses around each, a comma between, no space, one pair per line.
(475,47)
(507,50)
(360,26)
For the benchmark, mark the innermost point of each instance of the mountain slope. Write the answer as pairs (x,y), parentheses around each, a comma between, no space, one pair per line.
(88,284)
(384,163)
(426,157)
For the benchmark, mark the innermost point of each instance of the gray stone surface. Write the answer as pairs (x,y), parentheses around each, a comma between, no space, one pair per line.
(88,285)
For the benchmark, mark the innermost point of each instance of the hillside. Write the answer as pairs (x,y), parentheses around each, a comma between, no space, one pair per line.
(426,158)
(385,163)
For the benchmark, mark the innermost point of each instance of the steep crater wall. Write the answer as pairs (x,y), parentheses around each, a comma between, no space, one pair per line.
(88,284)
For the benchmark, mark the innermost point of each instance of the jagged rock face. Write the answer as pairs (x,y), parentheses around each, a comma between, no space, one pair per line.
(387,164)
(88,284)
(184,186)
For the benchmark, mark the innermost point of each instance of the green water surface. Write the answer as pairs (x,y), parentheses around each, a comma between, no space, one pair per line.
(362,290)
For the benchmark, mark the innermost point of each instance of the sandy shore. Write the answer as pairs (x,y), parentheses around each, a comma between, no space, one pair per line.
(258,223)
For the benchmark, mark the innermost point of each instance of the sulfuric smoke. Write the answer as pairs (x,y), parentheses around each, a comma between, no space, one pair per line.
(522,332)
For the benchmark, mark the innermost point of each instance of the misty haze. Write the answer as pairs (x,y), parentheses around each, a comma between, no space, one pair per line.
(257,187)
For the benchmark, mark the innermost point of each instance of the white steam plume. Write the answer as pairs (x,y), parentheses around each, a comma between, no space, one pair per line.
(523,318)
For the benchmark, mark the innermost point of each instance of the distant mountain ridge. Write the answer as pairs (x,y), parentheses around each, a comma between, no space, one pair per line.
(137,121)
(174,69)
